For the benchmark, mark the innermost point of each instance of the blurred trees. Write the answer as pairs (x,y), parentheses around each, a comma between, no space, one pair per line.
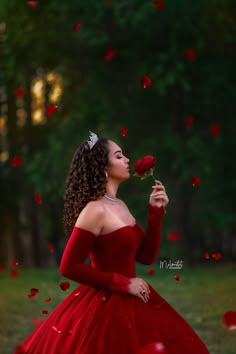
(188,50)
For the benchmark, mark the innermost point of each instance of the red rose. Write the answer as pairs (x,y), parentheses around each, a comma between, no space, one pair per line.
(144,166)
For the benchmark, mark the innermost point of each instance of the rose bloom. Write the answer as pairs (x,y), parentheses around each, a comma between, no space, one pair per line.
(144,165)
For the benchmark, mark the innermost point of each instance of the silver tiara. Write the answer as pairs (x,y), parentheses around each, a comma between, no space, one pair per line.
(93,138)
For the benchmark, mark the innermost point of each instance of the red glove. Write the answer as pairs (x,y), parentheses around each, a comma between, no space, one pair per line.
(72,264)
(151,239)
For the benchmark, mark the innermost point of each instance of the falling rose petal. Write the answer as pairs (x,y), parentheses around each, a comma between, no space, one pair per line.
(151,271)
(146,81)
(172,236)
(214,129)
(16,161)
(110,54)
(50,247)
(177,277)
(153,348)
(32,3)
(159,5)
(51,109)
(44,312)
(20,92)
(64,285)
(188,121)
(195,181)
(15,263)
(37,321)
(206,255)
(190,54)
(216,256)
(229,319)
(14,273)
(124,131)
(37,198)
(77,27)
(1,268)
(48,299)
(33,292)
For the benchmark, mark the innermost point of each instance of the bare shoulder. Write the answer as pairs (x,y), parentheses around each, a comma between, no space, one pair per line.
(123,204)
(91,217)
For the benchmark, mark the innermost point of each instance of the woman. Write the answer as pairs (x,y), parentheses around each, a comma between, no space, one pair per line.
(111,311)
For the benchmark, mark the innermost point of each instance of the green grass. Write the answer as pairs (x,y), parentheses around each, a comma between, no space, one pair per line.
(201,296)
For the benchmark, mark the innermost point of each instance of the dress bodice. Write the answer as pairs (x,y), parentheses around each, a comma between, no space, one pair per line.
(115,251)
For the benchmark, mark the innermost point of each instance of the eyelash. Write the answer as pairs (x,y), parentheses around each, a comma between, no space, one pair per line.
(119,157)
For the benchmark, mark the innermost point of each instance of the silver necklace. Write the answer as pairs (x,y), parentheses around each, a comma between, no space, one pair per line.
(112,199)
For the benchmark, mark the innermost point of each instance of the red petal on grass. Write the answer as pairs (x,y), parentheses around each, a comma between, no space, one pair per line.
(110,54)
(146,81)
(214,129)
(190,54)
(37,321)
(15,263)
(177,277)
(64,285)
(188,121)
(159,5)
(206,255)
(32,3)
(14,273)
(195,181)
(16,161)
(124,131)
(151,271)
(20,92)
(50,247)
(37,198)
(216,256)
(44,312)
(48,299)
(172,236)
(33,292)
(229,319)
(76,27)
(51,109)
(153,348)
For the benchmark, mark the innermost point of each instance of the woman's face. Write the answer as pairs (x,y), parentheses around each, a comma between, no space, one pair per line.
(118,164)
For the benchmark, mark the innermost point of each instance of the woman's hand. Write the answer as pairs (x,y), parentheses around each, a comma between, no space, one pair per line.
(136,288)
(158,197)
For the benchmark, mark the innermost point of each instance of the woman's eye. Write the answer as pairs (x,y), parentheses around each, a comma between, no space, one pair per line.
(119,157)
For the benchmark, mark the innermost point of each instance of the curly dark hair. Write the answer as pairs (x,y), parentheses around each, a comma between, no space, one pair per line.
(85,180)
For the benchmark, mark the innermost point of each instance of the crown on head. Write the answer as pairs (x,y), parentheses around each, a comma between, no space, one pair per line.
(93,138)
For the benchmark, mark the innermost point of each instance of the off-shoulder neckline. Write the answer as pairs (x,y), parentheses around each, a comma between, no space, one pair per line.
(112,232)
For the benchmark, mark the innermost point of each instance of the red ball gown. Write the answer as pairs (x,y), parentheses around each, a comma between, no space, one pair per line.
(100,316)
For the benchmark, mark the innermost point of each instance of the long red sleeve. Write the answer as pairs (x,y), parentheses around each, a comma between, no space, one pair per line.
(151,239)
(72,264)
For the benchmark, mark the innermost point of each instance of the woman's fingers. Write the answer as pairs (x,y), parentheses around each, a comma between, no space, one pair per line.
(158,194)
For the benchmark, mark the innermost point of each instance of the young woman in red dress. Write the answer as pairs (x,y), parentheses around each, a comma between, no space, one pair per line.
(111,311)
